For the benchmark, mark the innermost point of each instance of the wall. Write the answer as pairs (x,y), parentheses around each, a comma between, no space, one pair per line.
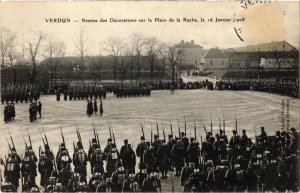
(216,63)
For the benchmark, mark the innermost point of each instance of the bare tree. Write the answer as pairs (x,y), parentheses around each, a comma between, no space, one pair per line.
(162,60)
(7,43)
(174,58)
(153,49)
(81,45)
(113,46)
(34,48)
(13,60)
(97,70)
(129,57)
(123,68)
(138,42)
(54,53)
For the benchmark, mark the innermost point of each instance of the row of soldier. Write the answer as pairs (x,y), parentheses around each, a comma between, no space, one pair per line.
(74,93)
(20,92)
(9,112)
(131,91)
(288,89)
(215,164)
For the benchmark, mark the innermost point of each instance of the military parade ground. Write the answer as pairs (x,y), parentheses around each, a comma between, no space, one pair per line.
(185,109)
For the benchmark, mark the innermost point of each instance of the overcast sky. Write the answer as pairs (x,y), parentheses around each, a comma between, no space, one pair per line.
(263,22)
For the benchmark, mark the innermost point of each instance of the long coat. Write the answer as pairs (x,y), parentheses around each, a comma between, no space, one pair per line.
(101,107)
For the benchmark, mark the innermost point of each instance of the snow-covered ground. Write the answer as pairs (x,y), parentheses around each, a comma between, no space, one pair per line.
(252,110)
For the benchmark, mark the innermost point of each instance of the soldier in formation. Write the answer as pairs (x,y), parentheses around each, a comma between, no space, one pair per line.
(19,93)
(216,164)
(9,112)
(81,92)
(123,92)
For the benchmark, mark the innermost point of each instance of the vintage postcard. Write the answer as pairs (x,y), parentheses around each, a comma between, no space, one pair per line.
(150,96)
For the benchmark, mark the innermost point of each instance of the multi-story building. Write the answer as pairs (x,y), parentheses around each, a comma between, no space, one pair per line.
(192,53)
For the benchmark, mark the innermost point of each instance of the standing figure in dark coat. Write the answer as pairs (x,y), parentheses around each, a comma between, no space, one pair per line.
(58,95)
(101,108)
(39,108)
(95,107)
(89,108)
(129,160)
(178,154)
(163,157)
(6,114)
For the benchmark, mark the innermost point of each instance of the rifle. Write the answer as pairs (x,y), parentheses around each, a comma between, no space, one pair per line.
(114,137)
(62,136)
(204,127)
(12,141)
(171,128)
(184,126)
(163,131)
(109,130)
(95,136)
(74,147)
(29,138)
(25,142)
(46,138)
(151,135)
(223,124)
(78,136)
(157,128)
(211,126)
(195,130)
(54,165)
(142,128)
(98,141)
(220,125)
(42,137)
(179,129)
(236,125)
(8,144)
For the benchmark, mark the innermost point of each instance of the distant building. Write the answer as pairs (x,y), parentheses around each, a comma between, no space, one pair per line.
(214,59)
(279,46)
(269,59)
(192,53)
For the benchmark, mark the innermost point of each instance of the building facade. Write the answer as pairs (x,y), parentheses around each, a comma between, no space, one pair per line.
(192,53)
(214,59)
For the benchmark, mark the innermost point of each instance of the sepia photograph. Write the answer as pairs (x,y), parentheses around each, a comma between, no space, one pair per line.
(150,96)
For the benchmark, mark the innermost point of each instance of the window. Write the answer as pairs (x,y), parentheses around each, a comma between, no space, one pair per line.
(211,62)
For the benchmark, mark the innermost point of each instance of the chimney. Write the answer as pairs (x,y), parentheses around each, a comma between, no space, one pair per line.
(182,41)
(192,41)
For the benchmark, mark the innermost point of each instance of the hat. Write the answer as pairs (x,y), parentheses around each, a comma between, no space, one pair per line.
(109,140)
(170,136)
(262,128)
(126,141)
(94,140)
(293,129)
(244,131)
(234,132)
(142,138)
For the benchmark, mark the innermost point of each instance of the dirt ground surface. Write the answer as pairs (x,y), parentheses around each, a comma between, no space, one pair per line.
(251,109)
